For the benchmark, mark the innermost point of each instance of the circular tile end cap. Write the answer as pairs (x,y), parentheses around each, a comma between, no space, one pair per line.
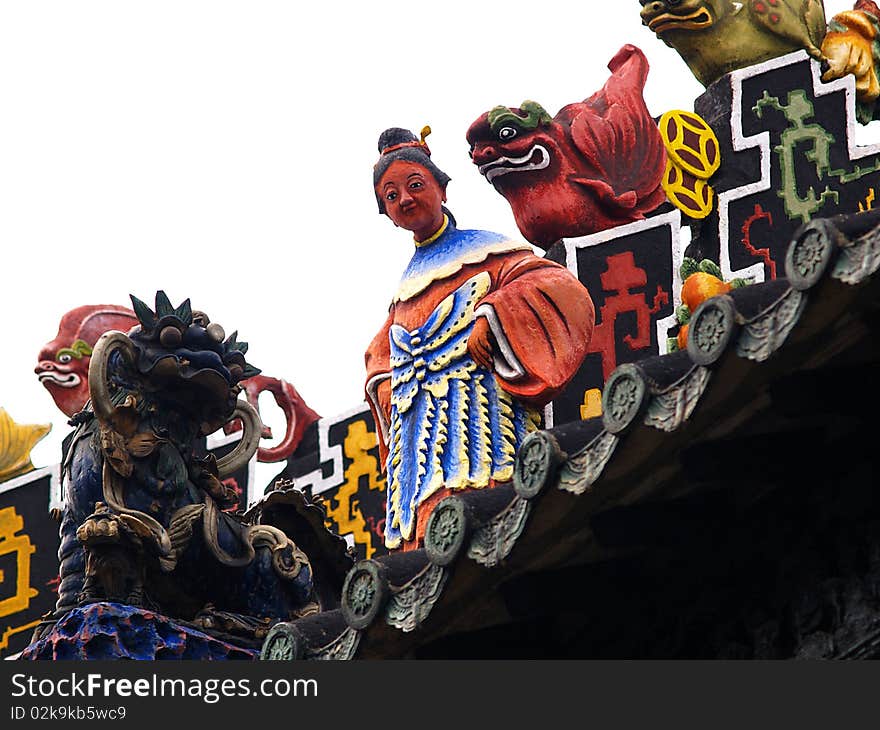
(446,531)
(364,594)
(536,464)
(809,254)
(711,329)
(623,398)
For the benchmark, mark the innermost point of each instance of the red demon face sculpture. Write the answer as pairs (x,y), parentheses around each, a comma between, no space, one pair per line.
(64,368)
(597,164)
(64,362)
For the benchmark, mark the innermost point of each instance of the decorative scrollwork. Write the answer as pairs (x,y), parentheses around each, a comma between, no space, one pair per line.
(810,253)
(285,643)
(410,606)
(711,329)
(536,464)
(341,649)
(446,531)
(623,398)
(364,593)
(859,260)
(764,335)
(493,542)
(667,411)
(580,472)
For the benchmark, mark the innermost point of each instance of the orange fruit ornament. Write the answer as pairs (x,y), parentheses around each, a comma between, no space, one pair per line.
(682,338)
(701,286)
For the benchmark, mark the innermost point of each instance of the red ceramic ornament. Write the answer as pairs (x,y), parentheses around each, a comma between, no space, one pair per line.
(597,164)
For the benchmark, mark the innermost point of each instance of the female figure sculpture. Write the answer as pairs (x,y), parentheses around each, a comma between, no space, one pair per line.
(480,335)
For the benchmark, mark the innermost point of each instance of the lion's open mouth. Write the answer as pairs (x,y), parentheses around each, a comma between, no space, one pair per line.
(537,158)
(71,380)
(695,21)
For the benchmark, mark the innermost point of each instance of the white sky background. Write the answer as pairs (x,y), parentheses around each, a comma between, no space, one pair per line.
(223,151)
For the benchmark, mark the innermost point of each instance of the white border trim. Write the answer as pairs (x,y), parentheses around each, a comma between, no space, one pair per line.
(671,219)
(326,452)
(56,497)
(218,439)
(762,141)
(678,245)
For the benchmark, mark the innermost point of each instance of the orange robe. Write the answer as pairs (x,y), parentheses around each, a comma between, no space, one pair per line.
(446,412)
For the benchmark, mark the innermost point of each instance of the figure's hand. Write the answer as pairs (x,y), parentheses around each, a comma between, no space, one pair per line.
(480,344)
(852,52)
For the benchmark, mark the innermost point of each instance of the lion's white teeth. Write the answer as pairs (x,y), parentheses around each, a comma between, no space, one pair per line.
(504,165)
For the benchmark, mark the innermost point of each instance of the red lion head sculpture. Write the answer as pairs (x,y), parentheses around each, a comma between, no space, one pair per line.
(597,164)
(63,365)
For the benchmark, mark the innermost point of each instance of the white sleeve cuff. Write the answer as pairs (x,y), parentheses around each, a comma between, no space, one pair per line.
(507,365)
(373,395)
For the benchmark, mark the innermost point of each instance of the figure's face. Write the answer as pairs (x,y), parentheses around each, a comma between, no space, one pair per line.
(413,198)
(64,373)
(667,17)
(63,363)
(515,147)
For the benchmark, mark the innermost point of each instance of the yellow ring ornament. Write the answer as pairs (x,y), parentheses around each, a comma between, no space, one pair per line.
(694,197)
(691,143)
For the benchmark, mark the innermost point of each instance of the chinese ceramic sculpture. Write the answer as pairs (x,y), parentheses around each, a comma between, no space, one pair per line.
(481,334)
(701,280)
(851,46)
(597,164)
(144,521)
(297,413)
(63,365)
(16,442)
(693,156)
(715,37)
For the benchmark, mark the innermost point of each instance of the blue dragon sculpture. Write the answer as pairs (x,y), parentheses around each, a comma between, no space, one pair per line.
(147,520)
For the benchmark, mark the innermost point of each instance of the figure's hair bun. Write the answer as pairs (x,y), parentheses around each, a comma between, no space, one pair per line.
(394,136)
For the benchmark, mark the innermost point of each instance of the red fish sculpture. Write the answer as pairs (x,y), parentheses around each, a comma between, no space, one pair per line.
(63,365)
(597,164)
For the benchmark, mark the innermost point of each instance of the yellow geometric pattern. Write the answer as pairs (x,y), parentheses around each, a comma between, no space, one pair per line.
(22,548)
(592,406)
(689,194)
(346,513)
(13,630)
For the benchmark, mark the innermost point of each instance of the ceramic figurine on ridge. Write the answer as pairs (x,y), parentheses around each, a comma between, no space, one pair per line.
(144,524)
(597,164)
(63,367)
(851,47)
(63,363)
(715,37)
(481,334)
(16,442)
